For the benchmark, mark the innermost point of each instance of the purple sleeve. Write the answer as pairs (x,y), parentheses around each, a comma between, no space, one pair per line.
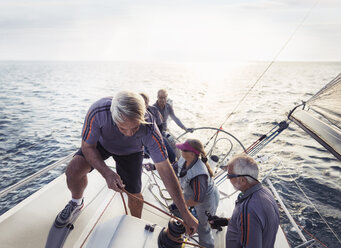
(254,233)
(91,129)
(155,145)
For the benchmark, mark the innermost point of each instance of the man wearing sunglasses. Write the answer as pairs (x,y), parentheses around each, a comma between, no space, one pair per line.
(255,219)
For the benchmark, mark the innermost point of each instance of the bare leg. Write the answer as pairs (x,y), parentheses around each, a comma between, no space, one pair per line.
(135,205)
(76,176)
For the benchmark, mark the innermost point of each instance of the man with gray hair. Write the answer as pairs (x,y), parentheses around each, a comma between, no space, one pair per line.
(120,127)
(167,110)
(255,219)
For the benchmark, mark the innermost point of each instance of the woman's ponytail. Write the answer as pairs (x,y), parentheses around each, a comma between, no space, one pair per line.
(204,159)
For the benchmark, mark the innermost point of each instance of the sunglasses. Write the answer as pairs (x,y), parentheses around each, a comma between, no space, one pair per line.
(229,176)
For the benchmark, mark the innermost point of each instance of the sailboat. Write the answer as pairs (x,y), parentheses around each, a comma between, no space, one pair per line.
(104,220)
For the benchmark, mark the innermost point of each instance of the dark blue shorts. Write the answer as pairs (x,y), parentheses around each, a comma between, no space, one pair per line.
(129,167)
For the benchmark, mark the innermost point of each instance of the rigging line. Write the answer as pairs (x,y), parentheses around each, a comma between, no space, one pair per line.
(220,163)
(150,188)
(212,138)
(311,234)
(214,143)
(281,126)
(263,144)
(220,130)
(156,213)
(309,242)
(160,190)
(156,197)
(154,175)
(100,216)
(316,210)
(273,60)
(157,208)
(164,212)
(124,203)
(260,140)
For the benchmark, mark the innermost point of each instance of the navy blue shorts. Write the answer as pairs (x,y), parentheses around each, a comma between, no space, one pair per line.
(129,167)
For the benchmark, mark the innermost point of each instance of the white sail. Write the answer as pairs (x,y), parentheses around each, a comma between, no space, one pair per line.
(326,126)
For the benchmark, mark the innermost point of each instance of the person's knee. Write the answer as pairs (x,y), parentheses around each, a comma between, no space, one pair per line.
(77,168)
(135,205)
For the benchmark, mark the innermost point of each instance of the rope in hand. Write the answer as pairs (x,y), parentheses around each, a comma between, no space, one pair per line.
(162,211)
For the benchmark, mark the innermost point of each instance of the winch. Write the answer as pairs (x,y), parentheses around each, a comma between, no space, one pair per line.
(171,237)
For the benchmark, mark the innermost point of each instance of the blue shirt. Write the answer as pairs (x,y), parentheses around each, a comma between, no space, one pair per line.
(168,111)
(100,127)
(255,220)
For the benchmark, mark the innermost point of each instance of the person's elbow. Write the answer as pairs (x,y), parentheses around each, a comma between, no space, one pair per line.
(163,166)
(85,146)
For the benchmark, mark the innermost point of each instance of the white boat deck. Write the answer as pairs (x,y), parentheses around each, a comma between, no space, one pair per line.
(102,222)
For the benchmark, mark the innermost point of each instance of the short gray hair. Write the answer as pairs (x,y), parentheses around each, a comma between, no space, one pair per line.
(162,91)
(127,105)
(245,165)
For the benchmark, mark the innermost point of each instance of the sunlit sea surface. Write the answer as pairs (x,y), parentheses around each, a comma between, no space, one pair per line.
(43,104)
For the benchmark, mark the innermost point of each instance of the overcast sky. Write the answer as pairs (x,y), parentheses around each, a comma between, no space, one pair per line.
(174,30)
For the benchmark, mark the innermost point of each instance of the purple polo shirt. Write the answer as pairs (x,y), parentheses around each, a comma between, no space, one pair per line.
(255,220)
(100,127)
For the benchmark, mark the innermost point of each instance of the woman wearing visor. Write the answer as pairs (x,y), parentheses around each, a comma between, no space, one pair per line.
(196,179)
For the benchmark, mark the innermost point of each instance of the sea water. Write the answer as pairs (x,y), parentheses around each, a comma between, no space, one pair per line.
(43,105)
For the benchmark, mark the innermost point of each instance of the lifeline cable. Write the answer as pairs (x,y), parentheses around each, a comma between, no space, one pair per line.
(272,62)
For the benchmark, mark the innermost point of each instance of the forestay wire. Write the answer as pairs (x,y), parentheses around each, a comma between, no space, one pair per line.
(272,62)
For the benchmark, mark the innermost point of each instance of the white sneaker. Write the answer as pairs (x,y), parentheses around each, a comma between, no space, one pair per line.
(68,213)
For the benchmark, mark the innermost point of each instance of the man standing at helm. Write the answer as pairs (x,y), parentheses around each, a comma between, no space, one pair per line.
(167,110)
(120,127)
